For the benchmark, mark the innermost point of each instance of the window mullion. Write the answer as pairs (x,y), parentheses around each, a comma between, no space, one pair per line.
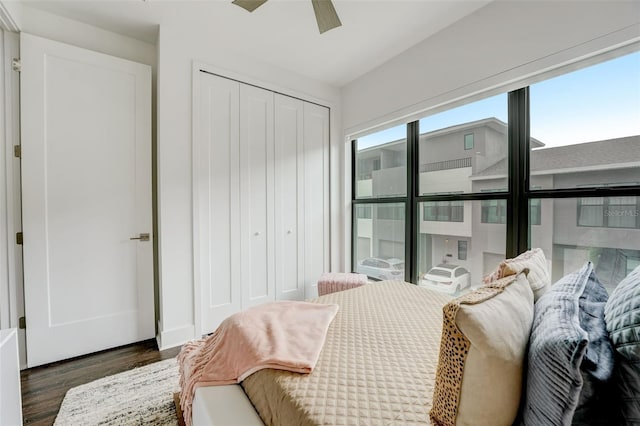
(411,210)
(518,173)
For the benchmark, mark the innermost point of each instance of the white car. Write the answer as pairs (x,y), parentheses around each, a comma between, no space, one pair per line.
(383,269)
(446,277)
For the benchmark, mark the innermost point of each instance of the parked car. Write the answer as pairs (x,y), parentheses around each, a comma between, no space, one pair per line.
(383,269)
(446,277)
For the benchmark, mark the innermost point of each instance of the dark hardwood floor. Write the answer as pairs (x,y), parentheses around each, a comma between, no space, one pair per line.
(43,388)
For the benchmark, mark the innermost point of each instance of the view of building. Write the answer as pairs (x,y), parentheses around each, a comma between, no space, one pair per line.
(472,158)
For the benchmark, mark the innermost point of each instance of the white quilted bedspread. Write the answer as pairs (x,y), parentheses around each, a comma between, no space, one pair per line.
(377,366)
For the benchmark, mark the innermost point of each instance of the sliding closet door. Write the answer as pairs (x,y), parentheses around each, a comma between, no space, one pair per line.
(216,159)
(256,192)
(289,193)
(316,195)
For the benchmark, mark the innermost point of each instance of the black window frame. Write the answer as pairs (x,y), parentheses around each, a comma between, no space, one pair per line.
(517,197)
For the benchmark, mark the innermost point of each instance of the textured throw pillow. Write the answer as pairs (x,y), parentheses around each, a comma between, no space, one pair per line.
(570,355)
(622,316)
(482,351)
(533,263)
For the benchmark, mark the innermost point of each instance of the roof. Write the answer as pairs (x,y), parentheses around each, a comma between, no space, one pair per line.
(399,144)
(584,156)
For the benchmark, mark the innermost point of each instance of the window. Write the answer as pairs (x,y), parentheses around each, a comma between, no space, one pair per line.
(609,212)
(378,245)
(468,141)
(586,121)
(622,212)
(462,250)
(443,211)
(448,167)
(578,168)
(381,164)
(586,127)
(391,212)
(591,211)
(363,211)
(494,211)
(535,211)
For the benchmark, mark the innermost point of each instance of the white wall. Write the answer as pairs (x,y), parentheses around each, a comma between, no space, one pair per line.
(171,61)
(178,47)
(54,27)
(502,42)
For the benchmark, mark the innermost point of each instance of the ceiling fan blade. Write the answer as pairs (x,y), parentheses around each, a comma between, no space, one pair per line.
(249,5)
(326,15)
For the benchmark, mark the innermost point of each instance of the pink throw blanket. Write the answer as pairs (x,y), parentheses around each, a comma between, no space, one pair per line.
(283,335)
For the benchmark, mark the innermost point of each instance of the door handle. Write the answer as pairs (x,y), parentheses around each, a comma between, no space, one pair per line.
(142,237)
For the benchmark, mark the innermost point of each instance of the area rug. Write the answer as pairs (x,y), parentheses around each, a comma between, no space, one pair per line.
(142,396)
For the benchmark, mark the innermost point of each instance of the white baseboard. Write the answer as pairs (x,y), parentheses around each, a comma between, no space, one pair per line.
(174,337)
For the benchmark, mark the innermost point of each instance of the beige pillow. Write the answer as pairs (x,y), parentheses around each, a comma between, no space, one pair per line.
(533,263)
(482,351)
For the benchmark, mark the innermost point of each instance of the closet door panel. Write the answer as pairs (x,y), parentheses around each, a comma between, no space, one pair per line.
(216,199)
(316,195)
(288,193)
(256,192)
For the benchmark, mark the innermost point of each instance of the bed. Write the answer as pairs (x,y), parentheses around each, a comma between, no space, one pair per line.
(377,365)
(399,354)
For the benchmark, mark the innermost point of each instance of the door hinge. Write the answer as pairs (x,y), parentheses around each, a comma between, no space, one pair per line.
(17,151)
(19,238)
(22,323)
(16,64)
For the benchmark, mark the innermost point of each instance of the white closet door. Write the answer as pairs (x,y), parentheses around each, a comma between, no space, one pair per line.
(256,192)
(316,195)
(289,193)
(217,200)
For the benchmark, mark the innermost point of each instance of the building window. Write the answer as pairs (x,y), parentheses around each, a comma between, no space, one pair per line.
(390,212)
(609,212)
(363,211)
(535,211)
(443,211)
(494,211)
(376,164)
(462,250)
(468,141)
(591,211)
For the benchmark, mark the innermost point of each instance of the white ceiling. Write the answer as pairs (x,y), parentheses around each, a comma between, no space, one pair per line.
(283,32)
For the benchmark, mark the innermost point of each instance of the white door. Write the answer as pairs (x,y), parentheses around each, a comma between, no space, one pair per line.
(86,182)
(289,193)
(256,195)
(316,195)
(216,200)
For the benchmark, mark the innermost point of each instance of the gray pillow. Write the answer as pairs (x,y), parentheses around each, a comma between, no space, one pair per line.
(622,315)
(568,344)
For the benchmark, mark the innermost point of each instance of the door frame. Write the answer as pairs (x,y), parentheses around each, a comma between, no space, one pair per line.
(10,190)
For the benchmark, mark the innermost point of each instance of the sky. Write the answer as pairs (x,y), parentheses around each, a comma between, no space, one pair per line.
(595,103)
